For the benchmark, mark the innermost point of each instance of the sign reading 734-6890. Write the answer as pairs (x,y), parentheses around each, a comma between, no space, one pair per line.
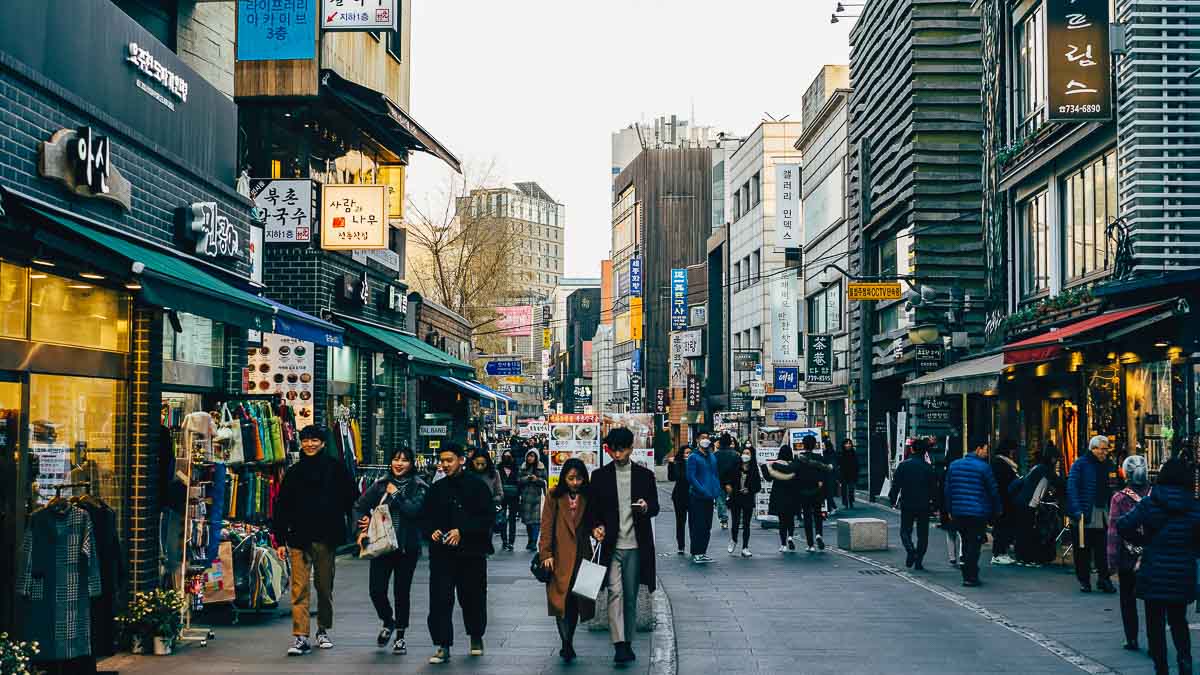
(1077,61)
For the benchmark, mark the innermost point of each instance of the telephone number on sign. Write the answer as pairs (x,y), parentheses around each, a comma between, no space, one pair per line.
(1072,108)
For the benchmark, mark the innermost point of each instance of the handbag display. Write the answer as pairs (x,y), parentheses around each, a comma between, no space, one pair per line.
(589,579)
(229,435)
(381,536)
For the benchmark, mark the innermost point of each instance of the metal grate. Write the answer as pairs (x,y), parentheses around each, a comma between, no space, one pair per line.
(875,572)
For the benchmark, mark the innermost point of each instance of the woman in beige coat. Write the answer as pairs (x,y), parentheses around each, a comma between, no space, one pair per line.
(564,542)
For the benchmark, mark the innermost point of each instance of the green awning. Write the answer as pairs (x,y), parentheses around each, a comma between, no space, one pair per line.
(167,280)
(424,359)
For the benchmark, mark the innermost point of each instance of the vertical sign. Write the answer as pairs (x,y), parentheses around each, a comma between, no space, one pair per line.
(787,205)
(545,338)
(679,292)
(787,378)
(678,374)
(820,359)
(635,318)
(276,31)
(635,392)
(1077,59)
(635,276)
(546,315)
(693,392)
(662,397)
(785,328)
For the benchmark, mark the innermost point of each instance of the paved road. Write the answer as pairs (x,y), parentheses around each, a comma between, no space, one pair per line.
(837,613)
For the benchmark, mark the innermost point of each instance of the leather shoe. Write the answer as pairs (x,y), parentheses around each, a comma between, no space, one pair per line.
(623,653)
(908,560)
(1106,586)
(1132,645)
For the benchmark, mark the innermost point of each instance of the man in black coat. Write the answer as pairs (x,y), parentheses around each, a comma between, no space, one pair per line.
(848,463)
(915,484)
(728,460)
(623,502)
(459,515)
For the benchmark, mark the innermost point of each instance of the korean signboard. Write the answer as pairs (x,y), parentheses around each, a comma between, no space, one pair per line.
(635,276)
(286,207)
(785,319)
(204,230)
(745,360)
(503,368)
(573,435)
(787,378)
(873,290)
(360,15)
(662,398)
(678,379)
(271,30)
(691,344)
(694,394)
(740,399)
(1077,61)
(636,323)
(928,357)
(936,409)
(820,359)
(679,293)
(787,205)
(699,316)
(546,340)
(82,161)
(635,392)
(515,321)
(283,365)
(353,217)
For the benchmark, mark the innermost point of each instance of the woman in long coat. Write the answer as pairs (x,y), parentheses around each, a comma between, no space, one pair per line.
(532,485)
(564,544)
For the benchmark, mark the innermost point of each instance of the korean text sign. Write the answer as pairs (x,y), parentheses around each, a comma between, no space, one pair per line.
(354,217)
(1077,58)
(679,293)
(287,207)
(276,30)
(359,15)
(787,205)
(820,359)
(635,276)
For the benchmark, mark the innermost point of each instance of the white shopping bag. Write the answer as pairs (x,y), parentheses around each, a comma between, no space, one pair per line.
(381,536)
(590,577)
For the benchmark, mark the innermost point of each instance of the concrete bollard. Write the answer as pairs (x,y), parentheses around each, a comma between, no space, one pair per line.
(862,534)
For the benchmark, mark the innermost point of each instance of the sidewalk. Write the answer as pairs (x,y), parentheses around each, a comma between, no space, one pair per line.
(833,613)
(520,639)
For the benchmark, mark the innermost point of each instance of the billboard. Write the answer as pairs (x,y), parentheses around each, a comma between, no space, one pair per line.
(515,321)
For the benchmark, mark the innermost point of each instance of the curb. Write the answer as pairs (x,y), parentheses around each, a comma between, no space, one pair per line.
(664,658)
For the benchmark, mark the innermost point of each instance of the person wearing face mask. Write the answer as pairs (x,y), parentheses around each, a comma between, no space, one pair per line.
(677,474)
(727,461)
(704,490)
(741,486)
(404,494)
(510,481)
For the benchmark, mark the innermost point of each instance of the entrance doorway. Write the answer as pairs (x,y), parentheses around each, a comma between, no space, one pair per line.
(14,479)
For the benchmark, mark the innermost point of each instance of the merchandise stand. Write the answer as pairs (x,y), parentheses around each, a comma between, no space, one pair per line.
(198,634)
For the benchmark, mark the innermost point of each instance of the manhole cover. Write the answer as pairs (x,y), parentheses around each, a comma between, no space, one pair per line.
(875,573)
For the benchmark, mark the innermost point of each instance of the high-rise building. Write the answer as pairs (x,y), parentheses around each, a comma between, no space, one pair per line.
(663,133)
(538,221)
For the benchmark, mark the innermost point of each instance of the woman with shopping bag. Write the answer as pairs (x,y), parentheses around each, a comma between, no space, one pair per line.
(563,546)
(399,498)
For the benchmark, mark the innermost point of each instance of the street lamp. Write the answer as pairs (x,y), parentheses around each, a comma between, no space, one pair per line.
(924,334)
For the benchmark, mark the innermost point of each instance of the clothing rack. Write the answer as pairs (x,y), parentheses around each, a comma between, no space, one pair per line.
(198,634)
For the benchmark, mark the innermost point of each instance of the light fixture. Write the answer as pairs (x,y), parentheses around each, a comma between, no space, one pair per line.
(42,262)
(1161,344)
(1042,370)
(82,287)
(1112,356)
(133,286)
(37,275)
(91,275)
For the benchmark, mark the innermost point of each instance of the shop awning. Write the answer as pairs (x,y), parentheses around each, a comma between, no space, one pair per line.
(470,388)
(294,323)
(424,359)
(1051,345)
(386,118)
(166,280)
(973,376)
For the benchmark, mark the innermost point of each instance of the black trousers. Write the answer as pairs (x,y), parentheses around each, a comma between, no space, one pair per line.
(921,520)
(831,492)
(847,488)
(1158,615)
(1129,617)
(814,522)
(512,513)
(466,576)
(1093,552)
(787,527)
(402,565)
(700,513)
(681,516)
(739,516)
(972,530)
(1004,533)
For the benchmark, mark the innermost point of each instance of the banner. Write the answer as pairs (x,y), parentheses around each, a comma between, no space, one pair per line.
(785,321)
(635,392)
(516,321)
(679,293)
(787,205)
(819,357)
(354,217)
(635,318)
(678,372)
(691,344)
(573,436)
(635,276)
(1077,61)
(642,426)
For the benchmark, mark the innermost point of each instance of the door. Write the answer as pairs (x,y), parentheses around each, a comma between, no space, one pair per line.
(14,490)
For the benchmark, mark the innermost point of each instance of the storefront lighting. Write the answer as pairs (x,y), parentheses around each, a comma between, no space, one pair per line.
(1076,361)
(1129,357)
(36,275)
(1042,370)
(133,286)
(1161,343)
(1010,378)
(1174,353)
(92,275)
(1112,356)
(43,263)
(82,287)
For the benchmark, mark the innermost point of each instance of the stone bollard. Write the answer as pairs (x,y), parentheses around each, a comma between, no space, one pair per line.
(862,534)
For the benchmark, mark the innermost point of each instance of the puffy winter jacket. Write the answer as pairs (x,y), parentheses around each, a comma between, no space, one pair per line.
(1170,534)
(703,481)
(971,489)
(1088,486)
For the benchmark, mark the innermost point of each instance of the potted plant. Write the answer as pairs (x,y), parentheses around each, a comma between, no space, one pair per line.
(153,617)
(17,657)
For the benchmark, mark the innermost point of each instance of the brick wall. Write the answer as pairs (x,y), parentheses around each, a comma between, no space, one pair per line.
(205,40)
(142,503)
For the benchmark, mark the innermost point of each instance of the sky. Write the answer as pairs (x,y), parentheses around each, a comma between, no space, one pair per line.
(533,89)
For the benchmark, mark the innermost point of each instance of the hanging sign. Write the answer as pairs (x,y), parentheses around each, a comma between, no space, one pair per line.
(694,393)
(546,338)
(691,344)
(745,360)
(699,316)
(636,325)
(635,276)
(819,357)
(662,398)
(785,320)
(787,378)
(678,379)
(679,293)
(359,15)
(287,207)
(1077,60)
(276,31)
(873,290)
(498,368)
(354,217)
(635,392)
(787,205)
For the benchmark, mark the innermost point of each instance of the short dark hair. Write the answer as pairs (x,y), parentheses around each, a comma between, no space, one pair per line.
(977,441)
(403,451)
(809,443)
(619,438)
(451,446)
(312,431)
(1174,472)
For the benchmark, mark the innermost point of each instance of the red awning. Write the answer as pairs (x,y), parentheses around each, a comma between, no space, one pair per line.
(1051,345)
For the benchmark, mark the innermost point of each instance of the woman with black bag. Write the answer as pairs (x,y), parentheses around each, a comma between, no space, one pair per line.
(742,486)
(563,545)
(510,479)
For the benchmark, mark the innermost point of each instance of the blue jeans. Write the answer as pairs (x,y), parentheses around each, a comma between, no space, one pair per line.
(722,511)
(700,517)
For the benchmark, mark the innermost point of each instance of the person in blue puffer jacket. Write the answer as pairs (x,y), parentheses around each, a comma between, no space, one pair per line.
(1167,525)
(1089,492)
(704,489)
(972,499)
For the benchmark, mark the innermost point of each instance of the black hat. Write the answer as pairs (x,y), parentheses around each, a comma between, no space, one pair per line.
(1174,472)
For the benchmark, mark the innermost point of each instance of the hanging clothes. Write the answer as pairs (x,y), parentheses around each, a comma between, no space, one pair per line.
(217,494)
(59,553)
(198,431)
(110,560)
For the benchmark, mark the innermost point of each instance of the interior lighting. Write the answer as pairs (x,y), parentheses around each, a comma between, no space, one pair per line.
(133,286)
(91,275)
(42,262)
(1161,344)
(1042,370)
(82,287)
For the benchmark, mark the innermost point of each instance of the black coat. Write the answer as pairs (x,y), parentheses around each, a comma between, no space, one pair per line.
(727,462)
(1005,475)
(915,483)
(602,509)
(1167,524)
(677,474)
(313,502)
(848,464)
(405,506)
(462,502)
(737,479)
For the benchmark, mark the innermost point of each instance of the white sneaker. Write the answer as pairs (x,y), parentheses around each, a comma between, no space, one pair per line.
(783,548)
(746,553)
(299,647)
(1003,560)
(812,549)
(323,640)
(697,560)
(731,548)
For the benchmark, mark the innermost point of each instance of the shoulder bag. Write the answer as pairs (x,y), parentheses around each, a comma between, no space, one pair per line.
(229,435)
(381,535)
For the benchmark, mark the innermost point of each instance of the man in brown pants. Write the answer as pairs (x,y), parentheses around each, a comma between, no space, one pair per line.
(309,524)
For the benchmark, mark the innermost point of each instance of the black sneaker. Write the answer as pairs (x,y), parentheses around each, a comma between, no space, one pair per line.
(299,647)
(567,653)
(399,646)
(623,653)
(442,655)
(323,640)
(820,543)
(384,636)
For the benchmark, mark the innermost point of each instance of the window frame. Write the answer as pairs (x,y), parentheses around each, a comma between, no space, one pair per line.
(1029,114)
(1083,227)
(1034,246)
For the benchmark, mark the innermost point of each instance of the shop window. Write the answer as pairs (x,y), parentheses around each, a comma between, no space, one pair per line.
(343,365)
(1090,205)
(825,310)
(202,341)
(1148,410)
(14,300)
(69,312)
(1035,245)
(1031,72)
(76,429)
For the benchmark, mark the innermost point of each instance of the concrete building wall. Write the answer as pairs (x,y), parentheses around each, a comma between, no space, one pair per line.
(205,40)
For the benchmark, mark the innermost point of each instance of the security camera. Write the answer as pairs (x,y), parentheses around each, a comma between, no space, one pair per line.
(138,267)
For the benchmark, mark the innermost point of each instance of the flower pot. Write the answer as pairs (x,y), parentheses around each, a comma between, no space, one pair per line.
(136,646)
(162,646)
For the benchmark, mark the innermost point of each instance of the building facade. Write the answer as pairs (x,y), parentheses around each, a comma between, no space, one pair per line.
(538,223)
